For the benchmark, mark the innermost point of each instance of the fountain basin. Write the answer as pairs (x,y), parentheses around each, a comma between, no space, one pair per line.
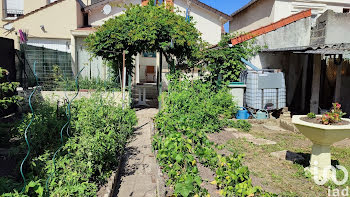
(322,137)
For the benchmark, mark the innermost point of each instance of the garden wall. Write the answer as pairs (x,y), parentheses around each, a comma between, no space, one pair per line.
(59,96)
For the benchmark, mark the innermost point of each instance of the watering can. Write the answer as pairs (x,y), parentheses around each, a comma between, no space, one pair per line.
(242,114)
(261,115)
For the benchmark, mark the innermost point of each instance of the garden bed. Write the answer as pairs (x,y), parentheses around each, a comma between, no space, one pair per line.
(86,154)
(319,121)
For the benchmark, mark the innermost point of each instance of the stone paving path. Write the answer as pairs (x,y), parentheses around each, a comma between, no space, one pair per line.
(139,170)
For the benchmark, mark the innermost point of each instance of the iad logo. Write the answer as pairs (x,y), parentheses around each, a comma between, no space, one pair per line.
(338,192)
(322,175)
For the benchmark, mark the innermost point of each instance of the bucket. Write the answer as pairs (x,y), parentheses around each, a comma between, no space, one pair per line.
(242,114)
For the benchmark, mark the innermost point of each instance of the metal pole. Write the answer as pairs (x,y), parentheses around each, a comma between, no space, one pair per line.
(123,80)
(160,78)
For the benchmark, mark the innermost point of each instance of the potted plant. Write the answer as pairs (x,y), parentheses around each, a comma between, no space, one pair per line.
(323,131)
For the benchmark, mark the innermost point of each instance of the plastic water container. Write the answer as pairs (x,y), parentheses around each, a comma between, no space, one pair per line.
(265,90)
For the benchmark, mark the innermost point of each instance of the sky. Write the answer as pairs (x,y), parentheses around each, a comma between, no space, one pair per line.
(226,6)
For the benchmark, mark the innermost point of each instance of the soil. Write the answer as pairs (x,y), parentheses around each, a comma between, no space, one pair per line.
(318,121)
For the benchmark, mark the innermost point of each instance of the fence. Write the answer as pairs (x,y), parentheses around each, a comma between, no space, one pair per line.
(51,65)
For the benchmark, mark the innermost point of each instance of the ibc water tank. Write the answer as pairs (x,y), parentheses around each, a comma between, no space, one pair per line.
(266,89)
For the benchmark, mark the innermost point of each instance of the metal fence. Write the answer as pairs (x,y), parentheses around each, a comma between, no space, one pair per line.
(51,65)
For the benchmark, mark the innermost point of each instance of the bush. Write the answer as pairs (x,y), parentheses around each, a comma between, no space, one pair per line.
(311,115)
(98,134)
(7,93)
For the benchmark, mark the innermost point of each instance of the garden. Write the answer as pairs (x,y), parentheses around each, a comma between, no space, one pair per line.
(199,148)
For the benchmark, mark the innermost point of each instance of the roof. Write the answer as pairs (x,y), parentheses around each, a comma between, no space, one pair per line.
(324,49)
(197,2)
(37,10)
(244,7)
(272,27)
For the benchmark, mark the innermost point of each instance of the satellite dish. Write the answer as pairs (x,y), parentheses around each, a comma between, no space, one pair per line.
(107,9)
(8,26)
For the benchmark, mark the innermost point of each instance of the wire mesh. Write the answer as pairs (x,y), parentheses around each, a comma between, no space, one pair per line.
(51,65)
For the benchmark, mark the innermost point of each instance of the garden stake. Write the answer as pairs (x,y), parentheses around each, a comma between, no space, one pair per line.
(26,131)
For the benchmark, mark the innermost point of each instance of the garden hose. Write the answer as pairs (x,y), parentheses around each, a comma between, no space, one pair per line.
(68,114)
(26,130)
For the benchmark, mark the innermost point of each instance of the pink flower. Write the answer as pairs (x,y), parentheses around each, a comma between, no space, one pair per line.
(338,106)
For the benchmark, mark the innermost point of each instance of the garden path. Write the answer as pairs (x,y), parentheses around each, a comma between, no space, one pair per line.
(139,170)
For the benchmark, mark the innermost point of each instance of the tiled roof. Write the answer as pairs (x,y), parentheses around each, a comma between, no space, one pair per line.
(271,27)
(37,10)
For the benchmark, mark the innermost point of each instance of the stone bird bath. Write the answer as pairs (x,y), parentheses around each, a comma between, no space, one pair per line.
(322,137)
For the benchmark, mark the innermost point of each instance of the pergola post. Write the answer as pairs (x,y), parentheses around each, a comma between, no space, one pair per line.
(160,79)
(315,91)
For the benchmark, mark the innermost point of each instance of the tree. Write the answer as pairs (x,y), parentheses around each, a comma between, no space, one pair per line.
(225,61)
(146,29)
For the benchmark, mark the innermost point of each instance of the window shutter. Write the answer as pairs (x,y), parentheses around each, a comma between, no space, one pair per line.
(14,5)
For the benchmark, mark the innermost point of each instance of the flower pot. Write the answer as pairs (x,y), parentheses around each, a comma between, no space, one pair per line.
(322,137)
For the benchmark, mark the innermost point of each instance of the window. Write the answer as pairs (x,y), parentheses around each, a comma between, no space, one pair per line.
(14,8)
(346,10)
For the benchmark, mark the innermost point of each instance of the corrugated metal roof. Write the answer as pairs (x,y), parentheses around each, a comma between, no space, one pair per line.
(324,49)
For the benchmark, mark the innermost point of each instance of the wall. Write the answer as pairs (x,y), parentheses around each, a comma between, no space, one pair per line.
(331,28)
(93,68)
(30,5)
(97,18)
(265,12)
(65,11)
(338,28)
(257,15)
(207,23)
(292,35)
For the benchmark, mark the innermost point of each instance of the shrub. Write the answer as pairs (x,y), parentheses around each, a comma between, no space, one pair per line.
(7,92)
(311,115)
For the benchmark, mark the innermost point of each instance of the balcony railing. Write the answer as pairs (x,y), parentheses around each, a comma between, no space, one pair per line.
(12,13)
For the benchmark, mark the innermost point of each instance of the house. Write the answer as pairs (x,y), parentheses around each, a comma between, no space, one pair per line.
(313,57)
(61,26)
(259,13)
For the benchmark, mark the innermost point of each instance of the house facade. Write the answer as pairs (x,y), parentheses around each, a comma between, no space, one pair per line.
(62,25)
(259,13)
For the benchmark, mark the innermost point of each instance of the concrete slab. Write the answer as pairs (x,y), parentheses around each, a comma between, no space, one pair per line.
(287,155)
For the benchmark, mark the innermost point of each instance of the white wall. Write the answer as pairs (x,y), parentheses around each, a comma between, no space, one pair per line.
(97,18)
(254,17)
(92,68)
(266,12)
(207,23)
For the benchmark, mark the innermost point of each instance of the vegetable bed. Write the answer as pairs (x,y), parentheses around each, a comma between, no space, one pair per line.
(92,148)
(192,109)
